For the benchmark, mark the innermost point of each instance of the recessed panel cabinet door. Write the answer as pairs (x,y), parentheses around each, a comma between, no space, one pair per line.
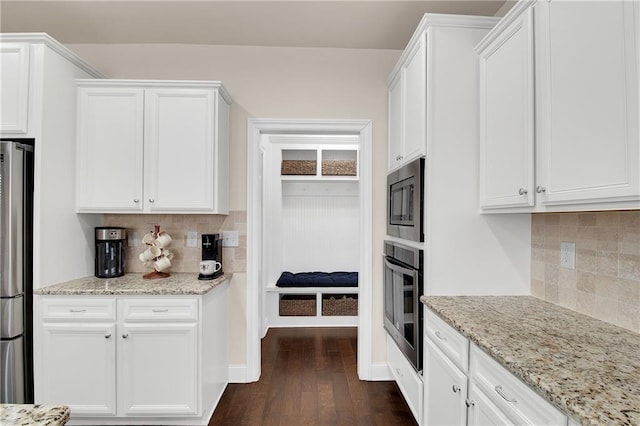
(109,150)
(79,368)
(179,149)
(482,412)
(14,81)
(507,117)
(587,106)
(394,153)
(415,101)
(158,369)
(445,389)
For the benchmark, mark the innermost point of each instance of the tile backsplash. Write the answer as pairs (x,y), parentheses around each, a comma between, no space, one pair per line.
(606,281)
(186,259)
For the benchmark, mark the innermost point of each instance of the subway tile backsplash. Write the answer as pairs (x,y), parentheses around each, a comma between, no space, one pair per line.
(186,259)
(606,281)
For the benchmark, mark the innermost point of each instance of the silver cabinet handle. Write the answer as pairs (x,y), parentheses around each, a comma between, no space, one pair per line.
(159,310)
(540,189)
(136,200)
(440,336)
(500,392)
(107,336)
(399,372)
(455,388)
(77,310)
(125,335)
(522,191)
(469,403)
(151,200)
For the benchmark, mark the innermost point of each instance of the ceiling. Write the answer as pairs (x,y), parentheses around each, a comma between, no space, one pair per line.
(357,24)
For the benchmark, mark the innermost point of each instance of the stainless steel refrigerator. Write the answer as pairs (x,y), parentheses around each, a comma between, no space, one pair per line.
(16,272)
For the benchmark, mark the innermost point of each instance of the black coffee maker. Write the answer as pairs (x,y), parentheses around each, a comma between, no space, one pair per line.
(110,251)
(212,250)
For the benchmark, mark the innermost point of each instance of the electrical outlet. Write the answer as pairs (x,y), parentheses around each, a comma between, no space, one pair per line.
(568,255)
(133,239)
(192,239)
(230,239)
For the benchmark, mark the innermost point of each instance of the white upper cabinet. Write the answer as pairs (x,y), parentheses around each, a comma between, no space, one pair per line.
(110,149)
(507,117)
(14,87)
(587,79)
(407,106)
(167,141)
(572,117)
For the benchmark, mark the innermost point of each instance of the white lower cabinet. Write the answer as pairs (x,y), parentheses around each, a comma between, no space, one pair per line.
(133,360)
(407,379)
(465,386)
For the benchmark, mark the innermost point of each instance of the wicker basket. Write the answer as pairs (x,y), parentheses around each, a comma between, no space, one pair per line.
(297,306)
(298,167)
(339,167)
(339,307)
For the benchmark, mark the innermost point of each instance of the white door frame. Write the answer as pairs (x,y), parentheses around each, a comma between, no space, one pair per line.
(256,128)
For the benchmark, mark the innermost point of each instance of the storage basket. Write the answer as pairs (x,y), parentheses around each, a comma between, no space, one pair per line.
(340,306)
(298,167)
(339,167)
(297,306)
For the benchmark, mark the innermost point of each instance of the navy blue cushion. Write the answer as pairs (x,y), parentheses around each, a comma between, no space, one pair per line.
(318,279)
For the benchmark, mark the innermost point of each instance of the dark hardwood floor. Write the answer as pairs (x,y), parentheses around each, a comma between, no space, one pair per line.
(309,377)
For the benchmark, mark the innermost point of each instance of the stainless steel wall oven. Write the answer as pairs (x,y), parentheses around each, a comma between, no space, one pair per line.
(405,201)
(403,286)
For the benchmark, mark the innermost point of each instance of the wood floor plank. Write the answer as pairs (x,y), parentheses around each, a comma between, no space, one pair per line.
(309,377)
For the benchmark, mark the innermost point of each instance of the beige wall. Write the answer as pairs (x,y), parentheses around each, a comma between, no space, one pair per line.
(274,82)
(606,281)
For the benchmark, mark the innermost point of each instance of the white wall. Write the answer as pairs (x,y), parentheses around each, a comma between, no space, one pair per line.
(275,82)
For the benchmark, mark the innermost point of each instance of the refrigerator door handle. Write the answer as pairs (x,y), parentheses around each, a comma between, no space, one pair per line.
(11,218)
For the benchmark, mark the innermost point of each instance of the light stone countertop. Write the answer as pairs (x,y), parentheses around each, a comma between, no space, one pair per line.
(34,415)
(178,283)
(588,368)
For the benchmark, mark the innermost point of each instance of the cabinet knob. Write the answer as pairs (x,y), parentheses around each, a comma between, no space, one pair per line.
(455,388)
(540,189)
(151,200)
(522,191)
(135,200)
(125,335)
(399,372)
(107,336)
(469,403)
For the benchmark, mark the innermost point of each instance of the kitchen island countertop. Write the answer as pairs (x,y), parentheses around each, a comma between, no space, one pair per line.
(34,415)
(588,368)
(178,283)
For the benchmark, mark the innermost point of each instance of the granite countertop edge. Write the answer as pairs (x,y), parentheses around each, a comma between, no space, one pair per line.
(571,404)
(34,414)
(178,284)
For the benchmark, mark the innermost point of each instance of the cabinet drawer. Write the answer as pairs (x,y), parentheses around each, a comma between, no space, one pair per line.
(174,309)
(450,341)
(407,378)
(79,308)
(511,395)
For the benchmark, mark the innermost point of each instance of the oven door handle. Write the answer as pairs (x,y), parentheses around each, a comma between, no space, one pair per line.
(396,266)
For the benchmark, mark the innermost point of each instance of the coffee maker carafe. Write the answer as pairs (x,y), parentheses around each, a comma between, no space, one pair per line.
(110,251)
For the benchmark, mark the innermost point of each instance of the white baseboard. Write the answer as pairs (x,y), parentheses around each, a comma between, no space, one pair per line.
(238,373)
(380,372)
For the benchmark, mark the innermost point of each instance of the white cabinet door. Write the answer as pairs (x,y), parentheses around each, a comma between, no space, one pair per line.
(79,367)
(14,87)
(587,106)
(158,369)
(445,389)
(507,117)
(415,101)
(179,149)
(482,412)
(110,148)
(394,144)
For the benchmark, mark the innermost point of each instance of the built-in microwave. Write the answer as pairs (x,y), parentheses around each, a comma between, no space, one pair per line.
(405,201)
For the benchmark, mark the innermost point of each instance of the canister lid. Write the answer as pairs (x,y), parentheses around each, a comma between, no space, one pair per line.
(104,233)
